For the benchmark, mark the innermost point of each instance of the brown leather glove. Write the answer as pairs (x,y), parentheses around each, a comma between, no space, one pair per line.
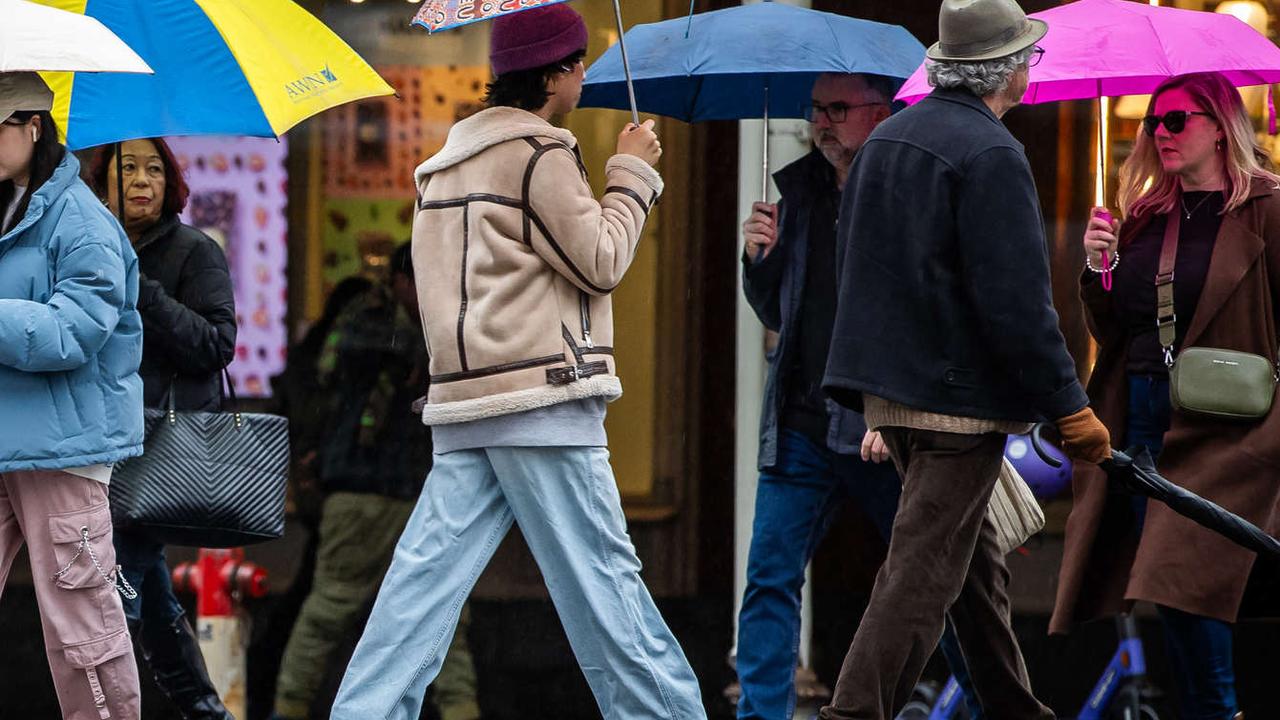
(1084,437)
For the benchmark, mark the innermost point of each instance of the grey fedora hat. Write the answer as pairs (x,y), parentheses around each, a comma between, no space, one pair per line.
(975,30)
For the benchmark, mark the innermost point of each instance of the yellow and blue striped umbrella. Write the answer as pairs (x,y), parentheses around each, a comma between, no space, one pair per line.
(222,67)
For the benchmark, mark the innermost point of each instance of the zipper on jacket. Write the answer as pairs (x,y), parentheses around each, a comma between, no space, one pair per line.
(586,318)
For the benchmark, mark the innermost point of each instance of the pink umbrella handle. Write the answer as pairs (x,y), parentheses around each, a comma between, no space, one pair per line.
(1106,259)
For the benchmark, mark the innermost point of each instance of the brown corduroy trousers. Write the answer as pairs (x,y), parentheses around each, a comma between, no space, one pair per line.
(942,562)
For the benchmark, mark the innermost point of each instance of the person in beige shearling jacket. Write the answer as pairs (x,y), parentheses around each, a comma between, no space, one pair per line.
(514,260)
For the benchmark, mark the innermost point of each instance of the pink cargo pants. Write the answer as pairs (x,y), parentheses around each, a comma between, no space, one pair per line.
(66,524)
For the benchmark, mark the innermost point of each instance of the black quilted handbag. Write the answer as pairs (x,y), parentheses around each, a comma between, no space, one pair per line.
(205,479)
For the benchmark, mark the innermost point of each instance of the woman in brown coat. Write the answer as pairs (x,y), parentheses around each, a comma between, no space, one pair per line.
(1195,162)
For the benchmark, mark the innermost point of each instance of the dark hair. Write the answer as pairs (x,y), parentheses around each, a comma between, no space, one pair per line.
(175,186)
(45,159)
(401,261)
(527,89)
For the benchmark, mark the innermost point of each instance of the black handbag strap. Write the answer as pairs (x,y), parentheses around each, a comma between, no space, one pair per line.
(230,387)
(225,387)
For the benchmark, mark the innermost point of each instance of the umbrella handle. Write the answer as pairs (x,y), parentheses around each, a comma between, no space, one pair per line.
(1038,442)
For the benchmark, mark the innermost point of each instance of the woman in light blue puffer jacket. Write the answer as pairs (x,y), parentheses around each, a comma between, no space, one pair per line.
(70,400)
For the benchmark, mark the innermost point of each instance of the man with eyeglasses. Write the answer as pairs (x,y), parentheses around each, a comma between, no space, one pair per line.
(814,455)
(946,338)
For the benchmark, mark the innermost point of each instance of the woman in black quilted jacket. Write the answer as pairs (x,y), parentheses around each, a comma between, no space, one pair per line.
(189,336)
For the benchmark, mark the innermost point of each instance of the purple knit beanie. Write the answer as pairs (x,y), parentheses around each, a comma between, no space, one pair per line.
(533,38)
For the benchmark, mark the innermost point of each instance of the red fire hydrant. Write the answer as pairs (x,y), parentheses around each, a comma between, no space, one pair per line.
(221,579)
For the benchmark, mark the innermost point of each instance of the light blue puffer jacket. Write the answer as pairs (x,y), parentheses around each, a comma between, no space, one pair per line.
(70,333)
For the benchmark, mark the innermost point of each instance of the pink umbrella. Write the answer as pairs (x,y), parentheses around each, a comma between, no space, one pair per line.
(1103,48)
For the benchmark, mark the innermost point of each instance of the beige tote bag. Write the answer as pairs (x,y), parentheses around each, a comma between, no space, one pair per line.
(1013,509)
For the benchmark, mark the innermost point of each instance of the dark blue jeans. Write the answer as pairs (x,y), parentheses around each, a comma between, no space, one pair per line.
(795,502)
(142,561)
(1200,648)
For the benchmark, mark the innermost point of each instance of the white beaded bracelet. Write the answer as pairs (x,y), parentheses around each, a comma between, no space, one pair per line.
(1115,262)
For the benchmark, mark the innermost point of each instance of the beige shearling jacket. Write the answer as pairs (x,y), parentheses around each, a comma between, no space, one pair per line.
(514,261)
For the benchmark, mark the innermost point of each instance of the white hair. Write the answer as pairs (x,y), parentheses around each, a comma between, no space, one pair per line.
(982,78)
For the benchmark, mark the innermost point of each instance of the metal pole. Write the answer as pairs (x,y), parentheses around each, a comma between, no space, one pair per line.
(626,62)
(1100,185)
(764,177)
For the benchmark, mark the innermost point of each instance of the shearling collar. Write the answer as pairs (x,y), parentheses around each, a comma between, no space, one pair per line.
(485,129)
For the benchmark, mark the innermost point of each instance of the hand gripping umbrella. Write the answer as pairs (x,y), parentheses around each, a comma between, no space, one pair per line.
(1134,472)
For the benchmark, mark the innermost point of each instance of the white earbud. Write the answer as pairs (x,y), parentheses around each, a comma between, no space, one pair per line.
(35,136)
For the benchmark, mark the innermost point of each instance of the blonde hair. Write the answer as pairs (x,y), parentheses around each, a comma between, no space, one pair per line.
(1144,185)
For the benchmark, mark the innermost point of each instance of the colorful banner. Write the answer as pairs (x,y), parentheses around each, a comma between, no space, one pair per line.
(445,14)
(238,197)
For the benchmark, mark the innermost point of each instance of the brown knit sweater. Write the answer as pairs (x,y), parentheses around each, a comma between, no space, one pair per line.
(886,413)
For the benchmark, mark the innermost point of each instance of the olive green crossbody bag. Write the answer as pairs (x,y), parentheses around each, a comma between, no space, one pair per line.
(1215,382)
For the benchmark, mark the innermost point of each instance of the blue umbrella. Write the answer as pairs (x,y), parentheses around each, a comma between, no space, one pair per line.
(751,61)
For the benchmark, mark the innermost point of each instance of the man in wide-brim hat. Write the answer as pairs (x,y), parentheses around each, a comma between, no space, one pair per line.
(946,337)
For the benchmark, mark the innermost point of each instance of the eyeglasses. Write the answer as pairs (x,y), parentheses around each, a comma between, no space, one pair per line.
(836,112)
(1037,54)
(1175,121)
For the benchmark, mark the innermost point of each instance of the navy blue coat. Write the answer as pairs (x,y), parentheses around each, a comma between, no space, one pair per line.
(775,288)
(944,299)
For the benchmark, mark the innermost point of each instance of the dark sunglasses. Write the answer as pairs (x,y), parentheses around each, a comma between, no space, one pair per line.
(1175,121)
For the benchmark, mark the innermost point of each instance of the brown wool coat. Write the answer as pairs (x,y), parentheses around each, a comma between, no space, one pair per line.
(1175,562)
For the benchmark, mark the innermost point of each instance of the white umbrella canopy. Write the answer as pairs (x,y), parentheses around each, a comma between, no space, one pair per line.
(44,39)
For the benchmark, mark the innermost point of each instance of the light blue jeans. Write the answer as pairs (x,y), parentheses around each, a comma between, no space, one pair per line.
(566,503)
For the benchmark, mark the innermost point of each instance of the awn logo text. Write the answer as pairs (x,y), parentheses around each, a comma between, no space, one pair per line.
(309,86)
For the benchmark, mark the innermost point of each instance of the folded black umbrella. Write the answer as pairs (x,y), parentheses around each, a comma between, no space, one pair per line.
(1135,472)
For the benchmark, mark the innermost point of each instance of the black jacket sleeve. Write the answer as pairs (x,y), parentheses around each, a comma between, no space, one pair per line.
(196,327)
(1098,314)
(1005,263)
(762,283)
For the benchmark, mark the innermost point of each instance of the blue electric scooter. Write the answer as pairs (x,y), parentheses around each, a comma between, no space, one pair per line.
(1121,693)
